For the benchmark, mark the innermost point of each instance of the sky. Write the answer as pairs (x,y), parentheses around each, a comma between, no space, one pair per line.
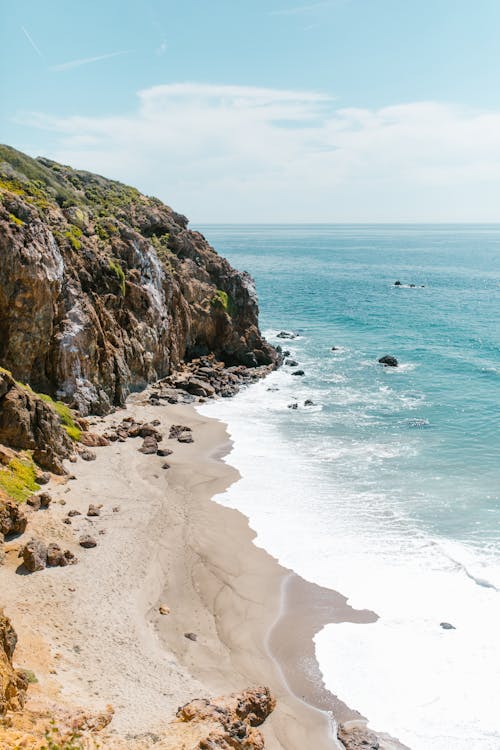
(244,111)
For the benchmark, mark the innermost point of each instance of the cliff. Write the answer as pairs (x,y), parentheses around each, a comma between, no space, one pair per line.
(104,290)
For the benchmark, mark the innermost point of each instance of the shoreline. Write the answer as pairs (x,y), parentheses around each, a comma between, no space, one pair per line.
(98,640)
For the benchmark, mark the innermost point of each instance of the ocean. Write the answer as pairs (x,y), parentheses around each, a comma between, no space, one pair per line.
(387,487)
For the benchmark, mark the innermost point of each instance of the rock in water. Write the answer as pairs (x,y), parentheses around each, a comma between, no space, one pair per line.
(300,373)
(388,360)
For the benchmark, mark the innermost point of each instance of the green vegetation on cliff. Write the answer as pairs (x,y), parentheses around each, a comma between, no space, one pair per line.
(18,478)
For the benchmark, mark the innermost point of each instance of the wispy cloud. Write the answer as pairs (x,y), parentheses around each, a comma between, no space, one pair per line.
(243,153)
(32,42)
(296,10)
(86,61)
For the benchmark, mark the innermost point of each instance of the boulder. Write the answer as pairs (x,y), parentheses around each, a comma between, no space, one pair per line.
(397,283)
(308,402)
(144,431)
(286,335)
(176,430)
(163,452)
(299,373)
(447,626)
(88,455)
(185,437)
(87,541)
(94,510)
(93,440)
(12,518)
(388,361)
(293,406)
(45,499)
(291,362)
(357,737)
(56,557)
(149,445)
(34,555)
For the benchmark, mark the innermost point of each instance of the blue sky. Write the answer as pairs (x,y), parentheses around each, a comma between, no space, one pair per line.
(265,110)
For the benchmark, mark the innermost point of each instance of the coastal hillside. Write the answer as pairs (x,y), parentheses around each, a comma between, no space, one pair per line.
(104,290)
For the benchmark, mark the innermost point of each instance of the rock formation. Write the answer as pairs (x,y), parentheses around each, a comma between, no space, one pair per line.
(104,290)
(13,685)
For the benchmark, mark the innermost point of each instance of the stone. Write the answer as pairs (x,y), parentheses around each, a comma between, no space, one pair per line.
(94,510)
(356,737)
(308,402)
(291,363)
(335,349)
(293,406)
(397,283)
(13,520)
(164,610)
(88,455)
(93,440)
(163,452)
(144,431)
(299,373)
(34,502)
(176,430)
(186,437)
(87,541)
(149,445)
(165,466)
(191,636)
(447,626)
(43,478)
(34,555)
(388,361)
(286,335)
(74,512)
(45,499)
(116,508)
(57,558)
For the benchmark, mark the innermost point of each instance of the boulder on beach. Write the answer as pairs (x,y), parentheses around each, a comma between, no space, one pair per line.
(388,360)
(12,518)
(34,555)
(149,445)
(87,541)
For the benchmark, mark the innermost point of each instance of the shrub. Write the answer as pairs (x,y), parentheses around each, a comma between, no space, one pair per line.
(73,235)
(15,220)
(118,271)
(221,299)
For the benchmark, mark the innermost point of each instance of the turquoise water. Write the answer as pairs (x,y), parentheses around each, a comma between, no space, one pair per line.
(388,488)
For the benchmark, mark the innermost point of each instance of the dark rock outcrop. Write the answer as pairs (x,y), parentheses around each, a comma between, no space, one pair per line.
(388,360)
(104,290)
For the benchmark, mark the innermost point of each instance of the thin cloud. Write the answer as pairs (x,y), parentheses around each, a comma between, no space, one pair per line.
(244,153)
(86,61)
(32,42)
(301,9)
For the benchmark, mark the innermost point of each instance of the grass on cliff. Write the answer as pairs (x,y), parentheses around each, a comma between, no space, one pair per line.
(18,478)
(119,273)
(54,740)
(221,299)
(65,414)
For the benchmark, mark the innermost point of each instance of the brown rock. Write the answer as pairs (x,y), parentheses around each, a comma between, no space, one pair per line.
(34,555)
(191,636)
(177,430)
(94,510)
(45,499)
(93,440)
(164,452)
(149,445)
(74,512)
(357,737)
(163,610)
(12,519)
(13,685)
(186,437)
(88,455)
(87,541)
(44,478)
(29,423)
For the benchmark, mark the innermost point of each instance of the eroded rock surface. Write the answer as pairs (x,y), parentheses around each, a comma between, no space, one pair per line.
(104,290)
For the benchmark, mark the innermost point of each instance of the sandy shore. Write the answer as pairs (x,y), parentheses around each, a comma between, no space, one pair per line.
(93,633)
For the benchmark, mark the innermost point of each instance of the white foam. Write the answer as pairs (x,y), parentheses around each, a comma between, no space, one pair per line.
(432,688)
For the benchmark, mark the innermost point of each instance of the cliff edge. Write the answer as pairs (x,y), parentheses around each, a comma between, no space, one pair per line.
(104,290)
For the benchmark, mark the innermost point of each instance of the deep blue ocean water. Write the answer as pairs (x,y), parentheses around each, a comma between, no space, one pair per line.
(388,488)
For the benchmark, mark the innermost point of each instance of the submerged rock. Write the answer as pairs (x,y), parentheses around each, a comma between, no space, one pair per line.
(298,372)
(286,335)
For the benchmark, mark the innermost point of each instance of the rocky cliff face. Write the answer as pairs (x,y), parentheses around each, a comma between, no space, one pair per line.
(103,290)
